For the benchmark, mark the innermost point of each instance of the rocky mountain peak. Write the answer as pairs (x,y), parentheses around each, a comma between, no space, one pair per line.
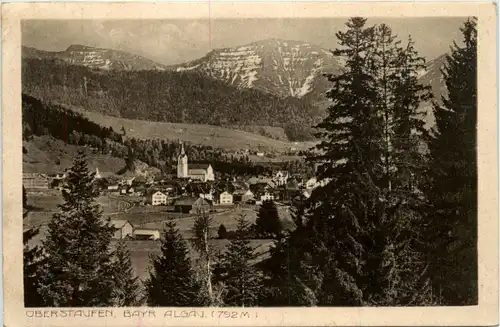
(282,67)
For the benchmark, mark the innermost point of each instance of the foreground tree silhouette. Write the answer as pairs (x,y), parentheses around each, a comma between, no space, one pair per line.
(236,271)
(32,262)
(126,292)
(78,269)
(268,222)
(453,193)
(354,243)
(222,232)
(201,243)
(172,280)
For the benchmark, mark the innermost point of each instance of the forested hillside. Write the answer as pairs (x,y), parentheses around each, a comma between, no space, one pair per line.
(178,97)
(42,121)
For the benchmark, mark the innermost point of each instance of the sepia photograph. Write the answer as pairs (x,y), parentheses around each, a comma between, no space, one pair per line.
(249,162)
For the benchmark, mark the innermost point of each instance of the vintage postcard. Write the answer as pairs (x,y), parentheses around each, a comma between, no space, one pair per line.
(250,164)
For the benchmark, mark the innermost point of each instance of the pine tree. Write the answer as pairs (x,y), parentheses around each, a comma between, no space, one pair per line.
(241,279)
(408,119)
(359,229)
(338,214)
(78,269)
(222,232)
(33,260)
(126,291)
(453,169)
(268,222)
(172,281)
(202,235)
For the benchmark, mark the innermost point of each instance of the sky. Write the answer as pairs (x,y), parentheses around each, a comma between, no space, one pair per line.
(176,41)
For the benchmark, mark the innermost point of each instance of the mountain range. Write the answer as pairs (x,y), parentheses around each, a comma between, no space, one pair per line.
(105,59)
(284,68)
(281,67)
(271,82)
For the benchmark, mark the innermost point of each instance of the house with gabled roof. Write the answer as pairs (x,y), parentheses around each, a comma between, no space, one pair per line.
(123,228)
(191,205)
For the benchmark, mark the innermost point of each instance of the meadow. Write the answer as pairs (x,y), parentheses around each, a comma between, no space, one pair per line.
(209,135)
(43,206)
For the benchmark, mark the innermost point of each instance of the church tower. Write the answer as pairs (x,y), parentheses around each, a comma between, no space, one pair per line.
(182,163)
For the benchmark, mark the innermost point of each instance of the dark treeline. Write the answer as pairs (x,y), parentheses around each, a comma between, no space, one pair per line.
(391,226)
(394,225)
(177,97)
(73,128)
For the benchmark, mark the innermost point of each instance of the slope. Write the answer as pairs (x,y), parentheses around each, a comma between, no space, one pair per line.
(96,58)
(281,67)
(167,96)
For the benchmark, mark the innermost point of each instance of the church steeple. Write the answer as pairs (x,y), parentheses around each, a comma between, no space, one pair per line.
(182,149)
(182,163)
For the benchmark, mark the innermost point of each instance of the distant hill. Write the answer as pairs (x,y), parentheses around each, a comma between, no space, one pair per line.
(97,58)
(281,67)
(274,83)
(202,134)
(164,96)
(45,154)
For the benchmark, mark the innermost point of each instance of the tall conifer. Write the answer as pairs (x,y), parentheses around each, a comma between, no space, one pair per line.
(78,267)
(453,169)
(32,262)
(240,277)
(268,222)
(172,281)
(201,243)
(126,291)
(360,227)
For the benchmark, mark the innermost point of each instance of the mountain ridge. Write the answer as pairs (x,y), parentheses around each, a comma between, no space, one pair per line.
(282,67)
(95,58)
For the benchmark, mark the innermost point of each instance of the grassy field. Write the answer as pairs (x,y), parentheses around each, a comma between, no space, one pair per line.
(45,154)
(195,133)
(142,250)
(43,206)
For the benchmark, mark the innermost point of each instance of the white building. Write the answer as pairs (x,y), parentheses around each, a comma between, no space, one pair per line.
(267,196)
(147,233)
(226,198)
(313,183)
(207,196)
(113,187)
(281,177)
(202,172)
(158,198)
(123,228)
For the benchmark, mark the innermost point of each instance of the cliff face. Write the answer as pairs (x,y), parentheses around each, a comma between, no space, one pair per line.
(284,68)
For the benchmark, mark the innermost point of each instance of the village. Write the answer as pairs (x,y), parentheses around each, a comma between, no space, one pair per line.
(141,203)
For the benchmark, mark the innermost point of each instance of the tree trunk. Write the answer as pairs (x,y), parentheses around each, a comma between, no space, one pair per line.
(209,270)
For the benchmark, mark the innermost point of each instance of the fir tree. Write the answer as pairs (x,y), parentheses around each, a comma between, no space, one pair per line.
(202,235)
(33,260)
(408,119)
(172,281)
(126,291)
(268,222)
(338,213)
(241,279)
(360,227)
(453,168)
(78,270)
(222,232)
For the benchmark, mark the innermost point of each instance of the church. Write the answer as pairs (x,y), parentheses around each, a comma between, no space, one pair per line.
(201,172)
